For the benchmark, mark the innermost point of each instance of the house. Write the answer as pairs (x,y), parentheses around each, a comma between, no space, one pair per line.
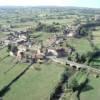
(6,42)
(22,48)
(51,52)
(71,34)
(61,52)
(11,54)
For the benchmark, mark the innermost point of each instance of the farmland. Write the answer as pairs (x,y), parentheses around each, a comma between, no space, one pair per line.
(96,40)
(81,45)
(96,35)
(32,82)
(32,75)
(92,91)
(36,84)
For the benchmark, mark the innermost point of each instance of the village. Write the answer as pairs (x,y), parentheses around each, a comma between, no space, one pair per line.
(22,47)
(63,55)
(25,48)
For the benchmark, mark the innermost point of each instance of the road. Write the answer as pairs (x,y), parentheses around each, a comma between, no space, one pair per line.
(65,61)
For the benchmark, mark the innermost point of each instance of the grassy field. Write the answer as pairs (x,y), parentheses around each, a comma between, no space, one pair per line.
(81,45)
(61,21)
(2,34)
(42,35)
(96,37)
(96,40)
(36,85)
(7,64)
(96,62)
(93,90)
(32,85)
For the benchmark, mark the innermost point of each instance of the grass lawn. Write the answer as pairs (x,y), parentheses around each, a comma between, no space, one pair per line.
(96,62)
(61,21)
(36,85)
(42,35)
(81,45)
(3,53)
(7,64)
(96,41)
(32,85)
(94,92)
(2,34)
(96,37)
(80,77)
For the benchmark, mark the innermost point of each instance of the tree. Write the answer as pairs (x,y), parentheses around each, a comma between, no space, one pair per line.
(84,32)
(74,56)
(0,26)
(47,28)
(72,83)
(77,21)
(40,26)
(14,49)
(9,48)
(82,58)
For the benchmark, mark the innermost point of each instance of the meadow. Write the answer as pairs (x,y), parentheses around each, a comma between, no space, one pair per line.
(91,92)
(34,84)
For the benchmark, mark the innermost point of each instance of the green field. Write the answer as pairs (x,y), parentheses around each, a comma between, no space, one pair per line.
(34,84)
(81,45)
(96,40)
(93,90)
(96,37)
(61,21)
(95,62)
(42,35)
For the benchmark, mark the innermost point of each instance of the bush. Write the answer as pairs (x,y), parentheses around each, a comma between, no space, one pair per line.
(47,28)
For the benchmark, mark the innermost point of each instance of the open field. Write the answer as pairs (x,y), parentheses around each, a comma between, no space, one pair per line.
(81,45)
(96,40)
(96,62)
(2,34)
(96,37)
(92,92)
(42,35)
(34,84)
(61,21)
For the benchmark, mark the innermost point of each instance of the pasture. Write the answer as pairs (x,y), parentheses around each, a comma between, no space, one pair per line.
(96,40)
(92,90)
(32,85)
(81,45)
(96,37)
